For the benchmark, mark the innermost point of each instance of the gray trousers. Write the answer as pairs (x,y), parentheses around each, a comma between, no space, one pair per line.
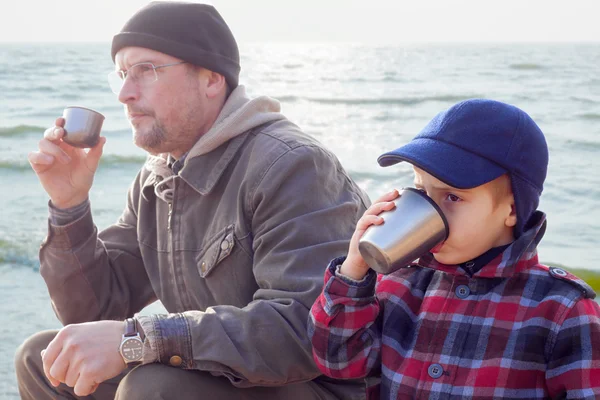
(148,382)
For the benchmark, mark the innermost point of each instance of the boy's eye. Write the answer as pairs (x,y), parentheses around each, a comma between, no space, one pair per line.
(452,197)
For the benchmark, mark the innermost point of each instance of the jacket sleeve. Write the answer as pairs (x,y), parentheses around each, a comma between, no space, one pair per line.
(574,365)
(344,326)
(92,276)
(303,209)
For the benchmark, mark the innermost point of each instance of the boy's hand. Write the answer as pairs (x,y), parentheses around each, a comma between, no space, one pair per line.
(355,266)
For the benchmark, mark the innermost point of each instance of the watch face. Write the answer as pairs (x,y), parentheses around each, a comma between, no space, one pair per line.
(132,349)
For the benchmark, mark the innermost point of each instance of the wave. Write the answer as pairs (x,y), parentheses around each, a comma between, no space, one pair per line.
(11,131)
(583,100)
(43,89)
(116,132)
(583,144)
(526,66)
(406,101)
(88,87)
(71,96)
(382,117)
(363,176)
(291,99)
(589,116)
(292,66)
(11,253)
(392,78)
(19,166)
(20,129)
(39,65)
(387,77)
(118,160)
(111,160)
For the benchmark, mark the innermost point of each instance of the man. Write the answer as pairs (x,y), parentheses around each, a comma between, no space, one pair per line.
(228,224)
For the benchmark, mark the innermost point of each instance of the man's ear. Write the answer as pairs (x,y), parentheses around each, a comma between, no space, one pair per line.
(511,219)
(215,84)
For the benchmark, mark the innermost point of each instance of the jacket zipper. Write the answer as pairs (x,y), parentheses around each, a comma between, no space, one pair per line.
(181,286)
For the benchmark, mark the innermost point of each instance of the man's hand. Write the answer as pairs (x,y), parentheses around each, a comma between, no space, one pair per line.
(65,172)
(84,355)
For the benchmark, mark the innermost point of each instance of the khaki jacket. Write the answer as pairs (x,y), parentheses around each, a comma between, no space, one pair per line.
(235,250)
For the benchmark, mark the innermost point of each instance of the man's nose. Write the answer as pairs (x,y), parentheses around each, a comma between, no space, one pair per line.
(129,92)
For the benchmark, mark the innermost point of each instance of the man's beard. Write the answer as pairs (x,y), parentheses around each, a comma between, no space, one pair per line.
(153,140)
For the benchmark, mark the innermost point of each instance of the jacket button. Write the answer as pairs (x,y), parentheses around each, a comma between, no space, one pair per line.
(175,361)
(225,245)
(462,291)
(435,371)
(203,266)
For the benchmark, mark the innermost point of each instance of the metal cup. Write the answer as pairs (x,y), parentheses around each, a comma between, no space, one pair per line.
(411,229)
(82,126)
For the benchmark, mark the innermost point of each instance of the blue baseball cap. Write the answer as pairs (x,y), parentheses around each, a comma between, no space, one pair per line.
(477,141)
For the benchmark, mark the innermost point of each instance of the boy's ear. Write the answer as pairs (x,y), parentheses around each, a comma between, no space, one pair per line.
(511,219)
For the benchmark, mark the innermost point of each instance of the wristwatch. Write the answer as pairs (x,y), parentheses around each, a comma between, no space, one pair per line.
(131,344)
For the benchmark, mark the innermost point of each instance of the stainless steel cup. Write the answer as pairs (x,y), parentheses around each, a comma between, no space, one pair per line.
(82,126)
(411,229)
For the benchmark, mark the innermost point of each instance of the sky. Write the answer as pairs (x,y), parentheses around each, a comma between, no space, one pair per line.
(373,21)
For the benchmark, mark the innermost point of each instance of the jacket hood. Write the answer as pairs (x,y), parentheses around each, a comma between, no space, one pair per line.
(239,115)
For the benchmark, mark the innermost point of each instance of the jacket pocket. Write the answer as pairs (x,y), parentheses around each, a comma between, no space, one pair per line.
(218,248)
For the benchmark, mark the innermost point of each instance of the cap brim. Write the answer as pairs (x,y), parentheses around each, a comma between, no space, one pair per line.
(450,164)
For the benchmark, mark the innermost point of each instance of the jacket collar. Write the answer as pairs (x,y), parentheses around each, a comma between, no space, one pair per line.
(206,161)
(520,255)
(203,172)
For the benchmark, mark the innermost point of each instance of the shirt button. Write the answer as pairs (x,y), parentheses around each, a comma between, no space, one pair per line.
(175,361)
(462,291)
(203,266)
(435,371)
(225,245)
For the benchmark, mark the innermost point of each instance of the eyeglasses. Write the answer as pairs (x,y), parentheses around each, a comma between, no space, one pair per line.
(142,74)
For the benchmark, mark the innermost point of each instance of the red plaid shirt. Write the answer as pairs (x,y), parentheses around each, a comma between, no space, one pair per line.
(514,330)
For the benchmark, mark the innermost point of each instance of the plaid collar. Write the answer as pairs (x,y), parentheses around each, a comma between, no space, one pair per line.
(519,255)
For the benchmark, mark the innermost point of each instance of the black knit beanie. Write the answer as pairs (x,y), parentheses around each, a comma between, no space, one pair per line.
(193,32)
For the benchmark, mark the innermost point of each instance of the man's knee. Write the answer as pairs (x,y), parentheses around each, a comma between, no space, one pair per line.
(27,357)
(148,382)
(162,382)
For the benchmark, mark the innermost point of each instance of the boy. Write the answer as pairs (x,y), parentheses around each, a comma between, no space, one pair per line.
(478,317)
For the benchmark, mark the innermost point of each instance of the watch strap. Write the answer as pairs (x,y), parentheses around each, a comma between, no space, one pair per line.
(130,328)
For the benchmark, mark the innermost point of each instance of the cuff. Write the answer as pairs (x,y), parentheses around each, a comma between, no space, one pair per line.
(64,216)
(149,355)
(167,340)
(360,282)
(71,235)
(343,291)
(333,272)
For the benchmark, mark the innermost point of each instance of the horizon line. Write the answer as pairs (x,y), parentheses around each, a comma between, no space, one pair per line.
(349,42)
